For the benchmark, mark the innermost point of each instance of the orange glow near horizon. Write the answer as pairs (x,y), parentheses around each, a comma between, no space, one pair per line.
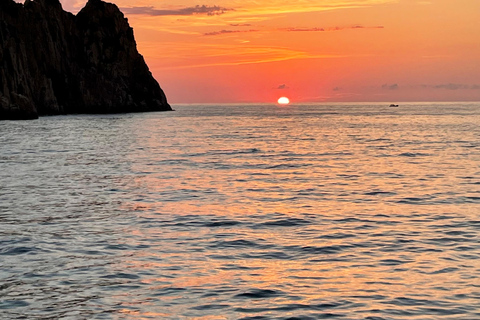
(310,50)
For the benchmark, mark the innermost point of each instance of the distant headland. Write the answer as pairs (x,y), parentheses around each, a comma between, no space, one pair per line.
(53,62)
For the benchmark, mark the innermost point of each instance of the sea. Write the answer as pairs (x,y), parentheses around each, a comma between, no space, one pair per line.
(306,211)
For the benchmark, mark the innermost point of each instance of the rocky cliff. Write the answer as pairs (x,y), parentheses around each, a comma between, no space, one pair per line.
(53,62)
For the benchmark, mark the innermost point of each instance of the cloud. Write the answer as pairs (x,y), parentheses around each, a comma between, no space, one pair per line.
(285,7)
(240,24)
(217,33)
(175,55)
(303,29)
(291,29)
(336,89)
(282,87)
(317,29)
(187,11)
(390,86)
(362,27)
(451,86)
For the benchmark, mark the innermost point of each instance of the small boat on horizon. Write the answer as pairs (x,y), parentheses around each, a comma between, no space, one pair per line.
(393,105)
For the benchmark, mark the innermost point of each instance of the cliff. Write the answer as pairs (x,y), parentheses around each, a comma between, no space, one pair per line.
(53,62)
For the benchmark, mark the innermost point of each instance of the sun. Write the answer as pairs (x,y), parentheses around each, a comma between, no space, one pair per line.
(283,101)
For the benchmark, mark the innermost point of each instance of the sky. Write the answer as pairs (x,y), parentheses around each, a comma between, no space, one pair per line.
(235,51)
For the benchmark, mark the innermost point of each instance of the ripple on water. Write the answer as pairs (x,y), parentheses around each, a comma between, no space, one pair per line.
(259,294)
(247,212)
(285,222)
(12,251)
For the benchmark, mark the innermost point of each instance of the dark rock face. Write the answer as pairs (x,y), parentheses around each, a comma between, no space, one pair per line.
(52,62)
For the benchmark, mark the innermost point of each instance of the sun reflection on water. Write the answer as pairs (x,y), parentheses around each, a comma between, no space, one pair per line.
(325,214)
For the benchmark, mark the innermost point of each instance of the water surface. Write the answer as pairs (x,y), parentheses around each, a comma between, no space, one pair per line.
(243,212)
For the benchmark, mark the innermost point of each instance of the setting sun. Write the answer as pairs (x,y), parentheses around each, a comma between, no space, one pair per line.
(283,101)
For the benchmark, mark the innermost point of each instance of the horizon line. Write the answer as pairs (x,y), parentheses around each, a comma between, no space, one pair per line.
(322,102)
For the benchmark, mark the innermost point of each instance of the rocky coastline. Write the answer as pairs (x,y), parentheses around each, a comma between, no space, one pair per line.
(53,62)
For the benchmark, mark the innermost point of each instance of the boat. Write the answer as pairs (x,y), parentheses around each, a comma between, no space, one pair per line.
(393,105)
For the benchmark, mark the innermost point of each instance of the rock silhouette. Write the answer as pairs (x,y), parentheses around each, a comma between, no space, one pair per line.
(53,62)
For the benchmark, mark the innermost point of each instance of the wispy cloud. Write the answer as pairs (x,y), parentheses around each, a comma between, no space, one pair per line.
(456,86)
(179,56)
(317,29)
(187,11)
(449,86)
(282,87)
(280,7)
(390,86)
(302,29)
(251,9)
(240,24)
(362,27)
(290,29)
(216,33)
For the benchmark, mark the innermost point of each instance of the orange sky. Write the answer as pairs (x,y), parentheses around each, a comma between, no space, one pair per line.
(308,50)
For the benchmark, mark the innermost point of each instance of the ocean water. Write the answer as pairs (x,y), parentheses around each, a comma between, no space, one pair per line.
(243,212)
